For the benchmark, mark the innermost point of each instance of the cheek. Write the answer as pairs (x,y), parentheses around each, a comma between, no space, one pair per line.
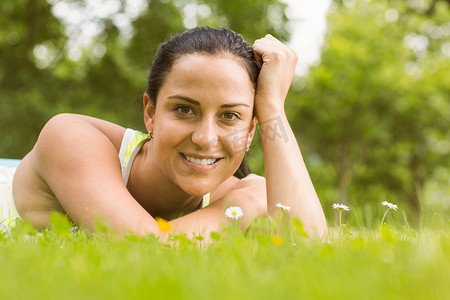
(235,142)
(167,127)
(169,133)
(238,138)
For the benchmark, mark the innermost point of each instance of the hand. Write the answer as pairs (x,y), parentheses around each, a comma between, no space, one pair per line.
(277,64)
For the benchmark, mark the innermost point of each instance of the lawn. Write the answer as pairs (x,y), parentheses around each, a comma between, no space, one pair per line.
(264,263)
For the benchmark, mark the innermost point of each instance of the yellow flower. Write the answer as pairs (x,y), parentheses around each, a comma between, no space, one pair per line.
(277,240)
(163,225)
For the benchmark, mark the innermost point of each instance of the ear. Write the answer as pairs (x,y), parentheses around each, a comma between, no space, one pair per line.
(149,112)
(251,133)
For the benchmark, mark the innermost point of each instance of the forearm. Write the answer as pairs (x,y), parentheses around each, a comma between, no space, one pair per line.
(287,178)
(250,198)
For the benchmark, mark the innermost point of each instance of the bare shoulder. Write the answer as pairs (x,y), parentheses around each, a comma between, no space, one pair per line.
(80,124)
(72,140)
(72,151)
(68,137)
(76,160)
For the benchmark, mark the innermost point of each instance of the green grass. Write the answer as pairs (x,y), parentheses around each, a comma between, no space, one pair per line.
(392,263)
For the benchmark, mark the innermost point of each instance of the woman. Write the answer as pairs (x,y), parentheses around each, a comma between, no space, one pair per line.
(207,89)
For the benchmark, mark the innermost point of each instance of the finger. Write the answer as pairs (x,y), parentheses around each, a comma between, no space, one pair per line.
(271,37)
(258,51)
(258,59)
(267,42)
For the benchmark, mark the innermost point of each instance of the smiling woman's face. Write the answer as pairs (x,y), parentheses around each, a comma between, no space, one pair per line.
(202,122)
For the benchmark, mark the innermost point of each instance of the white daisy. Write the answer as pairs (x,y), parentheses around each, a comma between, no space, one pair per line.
(234,212)
(283,207)
(390,205)
(340,207)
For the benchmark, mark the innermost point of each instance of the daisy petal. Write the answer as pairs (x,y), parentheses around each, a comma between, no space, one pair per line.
(234,212)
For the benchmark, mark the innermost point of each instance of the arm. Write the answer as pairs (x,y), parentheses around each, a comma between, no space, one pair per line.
(287,178)
(248,193)
(77,157)
(79,164)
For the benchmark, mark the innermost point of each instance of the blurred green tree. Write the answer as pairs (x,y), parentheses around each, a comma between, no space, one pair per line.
(373,115)
(422,7)
(31,40)
(40,78)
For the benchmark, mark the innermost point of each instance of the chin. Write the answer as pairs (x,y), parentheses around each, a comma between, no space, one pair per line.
(198,187)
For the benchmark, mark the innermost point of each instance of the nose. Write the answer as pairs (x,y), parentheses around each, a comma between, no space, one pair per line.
(205,134)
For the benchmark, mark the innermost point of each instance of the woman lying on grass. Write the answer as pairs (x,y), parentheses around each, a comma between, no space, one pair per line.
(206,91)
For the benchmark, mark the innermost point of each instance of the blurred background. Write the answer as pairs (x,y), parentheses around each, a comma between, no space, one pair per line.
(370,103)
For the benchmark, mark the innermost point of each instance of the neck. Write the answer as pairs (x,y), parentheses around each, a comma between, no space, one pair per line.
(154,191)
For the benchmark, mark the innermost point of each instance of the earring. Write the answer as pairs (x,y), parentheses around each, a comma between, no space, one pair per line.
(150,135)
(248,147)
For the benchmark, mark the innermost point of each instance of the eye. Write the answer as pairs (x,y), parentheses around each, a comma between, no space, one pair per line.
(230,116)
(184,110)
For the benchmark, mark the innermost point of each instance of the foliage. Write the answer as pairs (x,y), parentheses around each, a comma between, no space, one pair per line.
(26,89)
(373,115)
(368,264)
(39,78)
(422,7)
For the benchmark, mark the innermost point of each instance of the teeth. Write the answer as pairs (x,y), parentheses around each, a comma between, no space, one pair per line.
(203,162)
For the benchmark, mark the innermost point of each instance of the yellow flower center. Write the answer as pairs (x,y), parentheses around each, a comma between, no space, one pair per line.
(233,213)
(277,240)
(163,225)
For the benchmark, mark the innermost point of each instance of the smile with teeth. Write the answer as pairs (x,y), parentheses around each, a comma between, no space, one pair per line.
(200,161)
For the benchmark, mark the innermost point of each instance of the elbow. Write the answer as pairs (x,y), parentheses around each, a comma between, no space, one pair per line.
(318,230)
(322,232)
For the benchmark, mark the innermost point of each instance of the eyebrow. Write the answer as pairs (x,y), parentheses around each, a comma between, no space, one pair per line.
(195,102)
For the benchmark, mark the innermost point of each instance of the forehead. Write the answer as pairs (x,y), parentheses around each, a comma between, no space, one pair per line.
(209,76)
